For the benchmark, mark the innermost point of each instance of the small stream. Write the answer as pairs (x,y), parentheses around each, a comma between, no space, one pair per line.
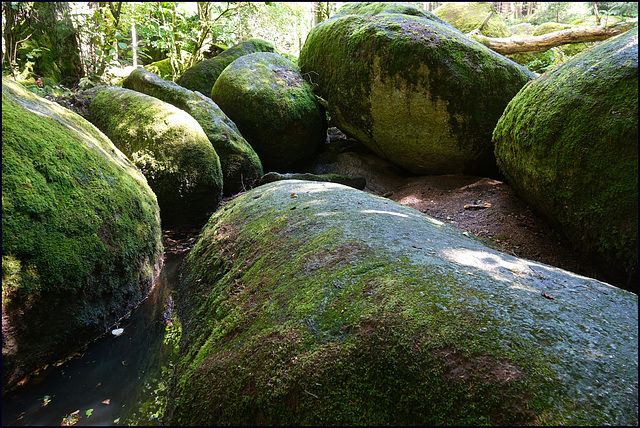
(108,383)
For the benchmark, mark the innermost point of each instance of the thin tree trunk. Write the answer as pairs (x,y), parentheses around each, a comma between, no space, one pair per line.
(134,44)
(511,45)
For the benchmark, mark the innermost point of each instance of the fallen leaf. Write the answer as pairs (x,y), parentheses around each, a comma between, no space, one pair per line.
(71,419)
(547,295)
(107,401)
(89,412)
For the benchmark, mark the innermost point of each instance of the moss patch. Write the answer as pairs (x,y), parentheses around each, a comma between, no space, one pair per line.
(567,144)
(469,16)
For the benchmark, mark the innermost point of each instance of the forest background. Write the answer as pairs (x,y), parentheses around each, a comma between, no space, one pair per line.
(57,47)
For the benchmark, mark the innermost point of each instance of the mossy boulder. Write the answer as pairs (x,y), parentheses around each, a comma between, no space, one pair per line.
(162,68)
(168,146)
(274,108)
(550,27)
(355,182)
(523,29)
(241,167)
(81,238)
(313,304)
(376,8)
(468,16)
(416,92)
(201,76)
(567,144)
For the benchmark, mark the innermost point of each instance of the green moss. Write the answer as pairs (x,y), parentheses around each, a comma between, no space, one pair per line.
(467,17)
(162,68)
(550,27)
(202,76)
(376,8)
(442,100)
(567,144)
(274,108)
(168,146)
(42,175)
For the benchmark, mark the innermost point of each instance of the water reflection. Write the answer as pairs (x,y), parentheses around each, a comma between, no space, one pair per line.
(112,368)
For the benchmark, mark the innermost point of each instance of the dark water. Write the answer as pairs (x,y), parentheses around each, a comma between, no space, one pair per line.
(112,368)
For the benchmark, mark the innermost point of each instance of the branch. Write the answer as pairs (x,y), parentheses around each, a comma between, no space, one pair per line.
(485,21)
(512,45)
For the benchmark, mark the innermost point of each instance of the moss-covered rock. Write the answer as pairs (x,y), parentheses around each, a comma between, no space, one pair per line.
(550,27)
(162,68)
(523,29)
(168,146)
(310,303)
(468,16)
(201,76)
(567,143)
(274,108)
(355,182)
(376,8)
(241,167)
(80,233)
(417,93)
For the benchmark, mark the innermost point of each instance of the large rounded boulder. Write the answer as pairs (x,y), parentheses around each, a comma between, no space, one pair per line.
(274,108)
(81,238)
(202,76)
(168,146)
(307,303)
(567,144)
(417,92)
(241,167)
(468,16)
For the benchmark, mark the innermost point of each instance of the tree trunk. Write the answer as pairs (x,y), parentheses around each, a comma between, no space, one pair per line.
(512,45)
(134,44)
(9,34)
(596,13)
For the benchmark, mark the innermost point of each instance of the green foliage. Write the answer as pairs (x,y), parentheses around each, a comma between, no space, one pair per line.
(101,34)
(39,41)
(284,24)
(564,12)
(155,395)
(547,60)
(619,8)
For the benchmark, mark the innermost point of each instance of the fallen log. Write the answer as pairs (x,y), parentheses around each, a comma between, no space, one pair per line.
(512,45)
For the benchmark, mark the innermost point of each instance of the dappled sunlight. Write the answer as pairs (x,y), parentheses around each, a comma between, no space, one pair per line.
(383,212)
(410,199)
(497,266)
(503,267)
(435,221)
